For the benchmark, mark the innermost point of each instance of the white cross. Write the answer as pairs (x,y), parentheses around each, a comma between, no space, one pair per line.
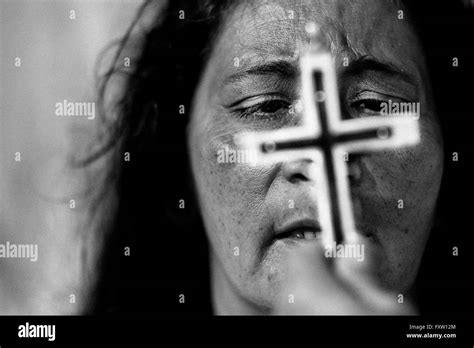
(325,138)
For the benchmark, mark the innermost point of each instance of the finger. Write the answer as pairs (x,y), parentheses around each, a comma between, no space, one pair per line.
(311,286)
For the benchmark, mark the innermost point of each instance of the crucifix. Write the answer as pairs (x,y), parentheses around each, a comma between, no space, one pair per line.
(327,140)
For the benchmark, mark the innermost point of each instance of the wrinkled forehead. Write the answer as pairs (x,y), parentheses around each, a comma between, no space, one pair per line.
(257,30)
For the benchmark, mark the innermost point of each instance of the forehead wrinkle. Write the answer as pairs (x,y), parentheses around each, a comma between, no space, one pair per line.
(280,36)
(284,37)
(270,30)
(360,40)
(276,38)
(264,32)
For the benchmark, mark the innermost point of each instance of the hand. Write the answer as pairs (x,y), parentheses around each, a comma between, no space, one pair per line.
(319,285)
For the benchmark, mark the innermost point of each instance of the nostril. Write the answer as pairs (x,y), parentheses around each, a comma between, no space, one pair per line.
(297,177)
(299,170)
(355,172)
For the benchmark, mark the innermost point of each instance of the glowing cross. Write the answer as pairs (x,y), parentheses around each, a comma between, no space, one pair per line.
(326,139)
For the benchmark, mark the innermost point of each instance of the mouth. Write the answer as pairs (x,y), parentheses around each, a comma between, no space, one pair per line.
(300,230)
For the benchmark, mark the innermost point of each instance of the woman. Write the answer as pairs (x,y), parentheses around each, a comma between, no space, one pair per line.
(209,70)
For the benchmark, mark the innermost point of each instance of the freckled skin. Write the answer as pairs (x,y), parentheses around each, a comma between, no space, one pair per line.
(240,204)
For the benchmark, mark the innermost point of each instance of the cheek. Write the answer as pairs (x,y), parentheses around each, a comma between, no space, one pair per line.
(398,202)
(231,193)
(411,175)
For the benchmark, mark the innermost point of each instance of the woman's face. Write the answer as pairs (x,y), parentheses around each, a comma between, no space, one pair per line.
(250,84)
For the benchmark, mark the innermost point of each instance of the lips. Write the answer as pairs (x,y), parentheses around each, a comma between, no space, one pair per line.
(298,229)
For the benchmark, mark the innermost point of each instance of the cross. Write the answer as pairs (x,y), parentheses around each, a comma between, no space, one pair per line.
(325,139)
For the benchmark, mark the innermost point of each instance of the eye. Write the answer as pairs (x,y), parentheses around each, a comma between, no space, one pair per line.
(267,110)
(371,103)
(368,107)
(272,106)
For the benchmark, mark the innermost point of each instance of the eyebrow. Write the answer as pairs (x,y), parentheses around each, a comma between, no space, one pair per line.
(282,68)
(288,70)
(367,63)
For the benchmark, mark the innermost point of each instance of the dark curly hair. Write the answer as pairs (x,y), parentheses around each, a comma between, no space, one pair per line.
(146,121)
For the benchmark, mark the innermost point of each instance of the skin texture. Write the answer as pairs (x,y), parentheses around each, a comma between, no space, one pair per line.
(241,205)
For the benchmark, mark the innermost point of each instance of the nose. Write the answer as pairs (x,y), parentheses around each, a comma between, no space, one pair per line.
(298,170)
